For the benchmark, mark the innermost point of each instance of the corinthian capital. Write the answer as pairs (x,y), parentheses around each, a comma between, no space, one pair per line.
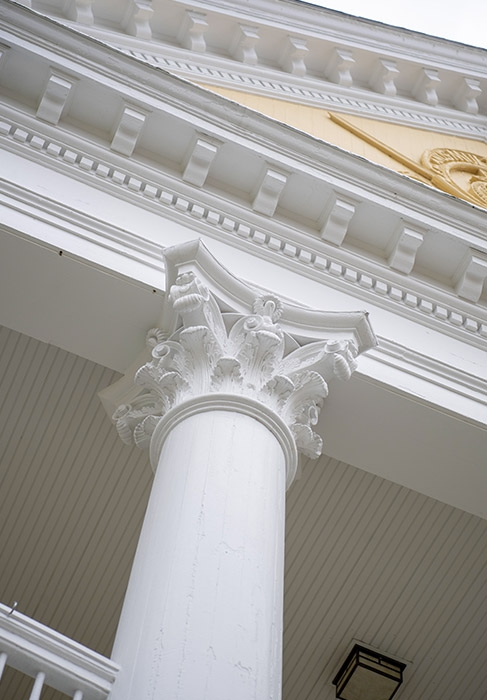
(245,356)
(253,351)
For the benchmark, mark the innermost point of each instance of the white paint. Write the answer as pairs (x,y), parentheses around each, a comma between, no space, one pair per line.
(203,612)
(38,685)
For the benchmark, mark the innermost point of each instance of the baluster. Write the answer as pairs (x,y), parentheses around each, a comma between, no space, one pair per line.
(78,695)
(37,688)
(3,660)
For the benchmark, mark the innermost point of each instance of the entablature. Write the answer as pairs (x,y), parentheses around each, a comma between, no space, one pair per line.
(150,139)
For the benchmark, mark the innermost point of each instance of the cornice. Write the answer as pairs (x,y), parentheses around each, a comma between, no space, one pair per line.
(429,82)
(282,146)
(261,80)
(325,22)
(143,84)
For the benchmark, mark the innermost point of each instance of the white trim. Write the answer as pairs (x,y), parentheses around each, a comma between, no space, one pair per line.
(430,381)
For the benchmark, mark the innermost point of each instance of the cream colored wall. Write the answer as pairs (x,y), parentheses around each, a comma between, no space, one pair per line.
(407,141)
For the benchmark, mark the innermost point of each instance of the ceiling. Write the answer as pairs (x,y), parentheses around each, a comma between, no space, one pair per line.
(366,559)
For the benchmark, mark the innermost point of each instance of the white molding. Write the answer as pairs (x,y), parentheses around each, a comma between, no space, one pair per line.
(69,230)
(462,393)
(194,105)
(296,148)
(349,174)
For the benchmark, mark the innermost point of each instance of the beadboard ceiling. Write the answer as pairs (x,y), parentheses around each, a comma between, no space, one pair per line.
(366,559)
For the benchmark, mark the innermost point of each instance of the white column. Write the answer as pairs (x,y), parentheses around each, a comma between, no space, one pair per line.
(202,617)
(225,404)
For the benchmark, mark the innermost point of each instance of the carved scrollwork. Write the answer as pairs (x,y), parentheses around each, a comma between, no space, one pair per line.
(461,173)
(249,359)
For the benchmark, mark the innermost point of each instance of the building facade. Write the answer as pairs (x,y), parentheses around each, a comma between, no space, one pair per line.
(296,173)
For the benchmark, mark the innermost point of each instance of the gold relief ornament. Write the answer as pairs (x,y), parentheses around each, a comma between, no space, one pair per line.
(460,173)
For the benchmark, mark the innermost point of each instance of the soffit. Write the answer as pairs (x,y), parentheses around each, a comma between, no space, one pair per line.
(366,558)
(361,227)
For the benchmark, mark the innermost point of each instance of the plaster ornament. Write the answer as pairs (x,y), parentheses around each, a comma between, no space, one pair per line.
(233,354)
(461,173)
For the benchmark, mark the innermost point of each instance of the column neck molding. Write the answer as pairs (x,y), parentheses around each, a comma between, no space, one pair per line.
(232,403)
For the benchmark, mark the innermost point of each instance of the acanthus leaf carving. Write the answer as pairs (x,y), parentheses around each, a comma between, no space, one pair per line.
(203,351)
(277,390)
(196,306)
(249,359)
(227,375)
(307,441)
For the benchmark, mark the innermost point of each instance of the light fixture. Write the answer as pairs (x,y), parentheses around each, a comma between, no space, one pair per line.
(368,675)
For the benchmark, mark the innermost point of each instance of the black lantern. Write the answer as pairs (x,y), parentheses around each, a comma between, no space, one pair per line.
(368,675)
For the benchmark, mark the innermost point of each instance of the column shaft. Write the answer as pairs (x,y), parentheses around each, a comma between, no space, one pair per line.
(202,618)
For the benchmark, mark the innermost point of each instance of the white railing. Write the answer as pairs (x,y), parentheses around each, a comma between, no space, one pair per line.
(52,659)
